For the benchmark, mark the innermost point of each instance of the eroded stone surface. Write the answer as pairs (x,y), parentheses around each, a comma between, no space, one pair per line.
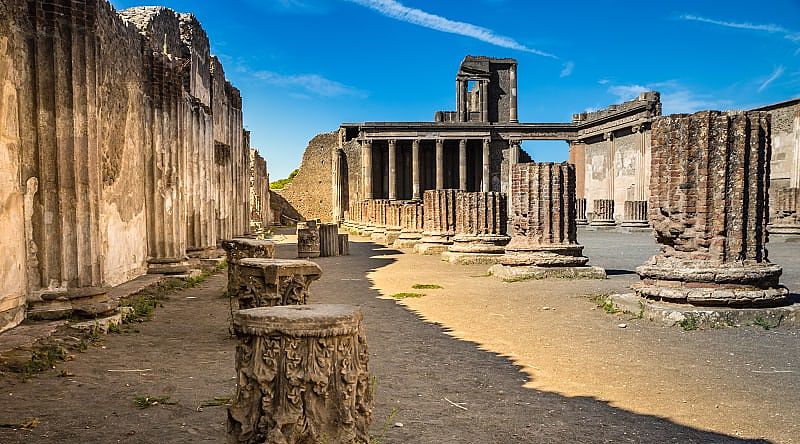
(302,376)
(241,248)
(271,282)
(308,242)
(709,209)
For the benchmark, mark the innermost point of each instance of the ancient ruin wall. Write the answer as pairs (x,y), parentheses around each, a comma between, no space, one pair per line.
(310,191)
(98,120)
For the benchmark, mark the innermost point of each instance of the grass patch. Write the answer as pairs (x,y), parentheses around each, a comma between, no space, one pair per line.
(384,429)
(689,324)
(43,359)
(605,302)
(523,278)
(407,295)
(765,324)
(279,184)
(28,424)
(426,287)
(144,402)
(218,401)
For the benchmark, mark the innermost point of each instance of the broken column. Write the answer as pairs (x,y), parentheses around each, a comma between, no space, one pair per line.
(302,376)
(238,249)
(308,245)
(635,214)
(480,232)
(787,217)
(270,282)
(709,207)
(440,221)
(412,223)
(603,213)
(328,240)
(393,225)
(543,231)
(378,229)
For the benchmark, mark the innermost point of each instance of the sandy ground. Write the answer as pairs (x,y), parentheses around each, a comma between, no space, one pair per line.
(738,381)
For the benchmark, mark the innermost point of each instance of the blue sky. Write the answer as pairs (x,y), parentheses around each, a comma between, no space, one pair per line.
(305,66)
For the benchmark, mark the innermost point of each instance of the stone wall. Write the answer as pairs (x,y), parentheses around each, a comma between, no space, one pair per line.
(120,143)
(785,163)
(310,191)
(260,214)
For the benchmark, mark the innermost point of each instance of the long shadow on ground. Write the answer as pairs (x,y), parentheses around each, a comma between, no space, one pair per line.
(417,365)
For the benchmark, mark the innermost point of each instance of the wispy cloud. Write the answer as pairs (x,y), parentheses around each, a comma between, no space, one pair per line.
(772,77)
(770,28)
(309,84)
(675,98)
(398,11)
(567,70)
(604,81)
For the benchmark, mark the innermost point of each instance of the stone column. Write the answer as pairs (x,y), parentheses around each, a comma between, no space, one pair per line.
(269,282)
(544,235)
(440,221)
(462,164)
(337,185)
(580,214)
(328,240)
(484,101)
(635,214)
(787,214)
(366,152)
(308,245)
(513,159)
(480,231)
(392,169)
(603,213)
(512,106)
(459,100)
(709,208)
(612,154)
(411,223)
(486,182)
(439,164)
(302,376)
(415,170)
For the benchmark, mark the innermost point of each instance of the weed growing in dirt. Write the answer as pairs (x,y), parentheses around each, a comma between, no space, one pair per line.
(42,359)
(384,429)
(522,278)
(28,424)
(426,287)
(640,314)
(407,295)
(606,303)
(484,275)
(144,402)
(689,324)
(765,324)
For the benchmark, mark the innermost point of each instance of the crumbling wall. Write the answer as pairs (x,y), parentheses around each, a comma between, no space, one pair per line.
(260,214)
(106,139)
(311,190)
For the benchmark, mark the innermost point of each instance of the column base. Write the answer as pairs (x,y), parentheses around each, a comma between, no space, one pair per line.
(635,224)
(378,235)
(784,229)
(459,258)
(168,266)
(408,239)
(483,244)
(391,236)
(88,302)
(702,283)
(531,272)
(202,252)
(603,223)
(581,221)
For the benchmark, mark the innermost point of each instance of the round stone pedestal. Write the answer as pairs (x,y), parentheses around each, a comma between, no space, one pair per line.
(545,261)
(173,265)
(302,376)
(705,283)
(476,249)
(408,239)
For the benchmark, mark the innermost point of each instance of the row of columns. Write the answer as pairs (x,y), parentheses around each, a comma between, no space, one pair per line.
(366,151)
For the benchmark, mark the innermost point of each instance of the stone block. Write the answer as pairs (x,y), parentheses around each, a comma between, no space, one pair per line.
(271,282)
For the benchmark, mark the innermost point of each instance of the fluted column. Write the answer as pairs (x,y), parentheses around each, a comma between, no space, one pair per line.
(462,165)
(439,164)
(484,101)
(392,169)
(709,207)
(486,184)
(415,170)
(366,153)
(459,100)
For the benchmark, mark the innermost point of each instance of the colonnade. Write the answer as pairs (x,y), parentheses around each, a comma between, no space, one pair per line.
(394,151)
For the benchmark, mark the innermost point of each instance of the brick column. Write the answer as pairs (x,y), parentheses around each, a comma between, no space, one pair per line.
(709,208)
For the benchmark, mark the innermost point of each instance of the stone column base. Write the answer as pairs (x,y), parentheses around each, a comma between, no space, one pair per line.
(581,222)
(391,236)
(603,223)
(201,252)
(706,284)
(378,235)
(433,243)
(471,258)
(635,224)
(172,265)
(408,239)
(784,229)
(61,303)
(529,272)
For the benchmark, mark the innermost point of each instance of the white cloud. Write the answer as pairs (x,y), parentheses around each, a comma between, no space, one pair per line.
(772,77)
(627,92)
(398,11)
(771,28)
(567,70)
(310,83)
(604,81)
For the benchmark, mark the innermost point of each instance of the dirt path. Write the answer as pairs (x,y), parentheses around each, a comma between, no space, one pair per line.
(185,353)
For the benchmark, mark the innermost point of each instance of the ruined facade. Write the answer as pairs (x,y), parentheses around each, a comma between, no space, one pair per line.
(121,150)
(260,213)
